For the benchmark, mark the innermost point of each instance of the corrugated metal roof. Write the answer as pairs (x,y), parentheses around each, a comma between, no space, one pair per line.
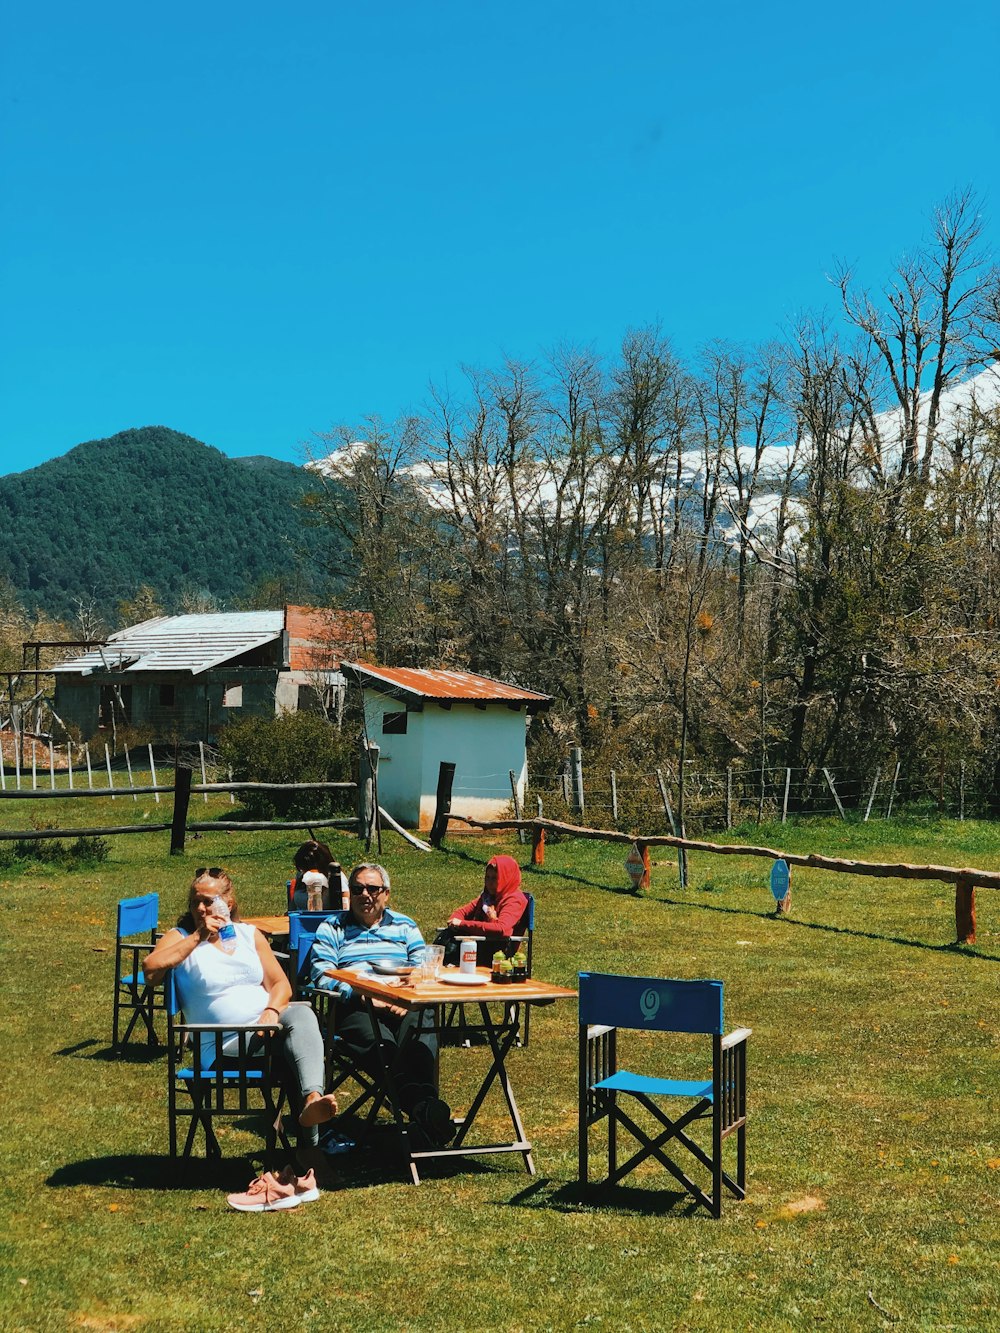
(453,686)
(192,643)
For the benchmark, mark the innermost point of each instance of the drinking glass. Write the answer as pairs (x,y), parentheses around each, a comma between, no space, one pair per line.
(433,961)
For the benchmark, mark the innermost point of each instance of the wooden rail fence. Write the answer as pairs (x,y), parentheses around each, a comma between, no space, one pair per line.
(179,825)
(965,879)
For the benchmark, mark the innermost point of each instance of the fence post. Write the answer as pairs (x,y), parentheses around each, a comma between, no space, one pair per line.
(17,758)
(538,806)
(69,762)
(614,797)
(90,771)
(564,776)
(442,807)
(152,770)
(107,760)
(517,803)
(576,758)
(729,796)
(182,797)
(128,765)
(961,790)
(52,766)
(871,796)
(204,775)
(784,799)
(829,782)
(366,796)
(892,793)
(664,797)
(965,911)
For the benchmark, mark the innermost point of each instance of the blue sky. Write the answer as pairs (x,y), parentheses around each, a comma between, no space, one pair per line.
(252,222)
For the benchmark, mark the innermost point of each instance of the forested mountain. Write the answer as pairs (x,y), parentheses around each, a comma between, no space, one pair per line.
(157,508)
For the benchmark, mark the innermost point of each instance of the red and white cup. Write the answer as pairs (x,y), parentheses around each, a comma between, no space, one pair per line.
(467,954)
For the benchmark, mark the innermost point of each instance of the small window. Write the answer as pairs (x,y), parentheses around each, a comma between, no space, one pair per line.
(393,724)
(166,695)
(232,696)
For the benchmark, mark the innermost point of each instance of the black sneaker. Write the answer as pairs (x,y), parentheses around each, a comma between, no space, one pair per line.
(432,1117)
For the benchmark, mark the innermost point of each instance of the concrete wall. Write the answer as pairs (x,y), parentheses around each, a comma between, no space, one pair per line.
(484,744)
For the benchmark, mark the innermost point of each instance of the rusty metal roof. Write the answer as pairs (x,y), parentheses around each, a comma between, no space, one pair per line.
(446,686)
(318,639)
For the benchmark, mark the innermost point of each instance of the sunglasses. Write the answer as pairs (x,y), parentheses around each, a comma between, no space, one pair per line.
(214,871)
(373,889)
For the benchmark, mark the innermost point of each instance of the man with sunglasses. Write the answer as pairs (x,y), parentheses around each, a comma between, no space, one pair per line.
(369,931)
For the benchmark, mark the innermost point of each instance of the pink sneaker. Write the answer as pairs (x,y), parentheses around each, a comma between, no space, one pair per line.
(306,1189)
(271,1193)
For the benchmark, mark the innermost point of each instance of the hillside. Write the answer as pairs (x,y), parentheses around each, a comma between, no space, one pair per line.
(152,506)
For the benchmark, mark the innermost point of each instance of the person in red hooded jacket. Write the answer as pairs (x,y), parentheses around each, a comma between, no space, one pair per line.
(495,915)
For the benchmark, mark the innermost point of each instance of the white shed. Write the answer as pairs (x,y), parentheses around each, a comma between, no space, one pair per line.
(421,719)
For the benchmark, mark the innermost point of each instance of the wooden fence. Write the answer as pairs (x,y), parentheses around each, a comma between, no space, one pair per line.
(179,825)
(966,880)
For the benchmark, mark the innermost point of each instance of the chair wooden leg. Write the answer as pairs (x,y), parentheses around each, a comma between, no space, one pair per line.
(741,1160)
(612,1134)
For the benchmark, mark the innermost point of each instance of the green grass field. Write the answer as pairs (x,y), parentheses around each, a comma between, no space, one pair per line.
(874,1151)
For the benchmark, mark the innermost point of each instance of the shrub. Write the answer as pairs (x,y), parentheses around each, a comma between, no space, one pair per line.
(57,852)
(296,747)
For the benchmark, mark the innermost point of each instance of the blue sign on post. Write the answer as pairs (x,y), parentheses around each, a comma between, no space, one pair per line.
(780,880)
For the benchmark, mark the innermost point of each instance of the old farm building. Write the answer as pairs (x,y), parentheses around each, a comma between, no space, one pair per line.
(420,719)
(186,676)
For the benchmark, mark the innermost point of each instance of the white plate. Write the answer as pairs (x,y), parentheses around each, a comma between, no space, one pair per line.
(463,979)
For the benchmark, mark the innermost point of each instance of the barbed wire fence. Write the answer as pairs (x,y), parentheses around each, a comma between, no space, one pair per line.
(736,796)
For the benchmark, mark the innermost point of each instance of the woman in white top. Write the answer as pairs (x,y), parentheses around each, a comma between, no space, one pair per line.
(244,986)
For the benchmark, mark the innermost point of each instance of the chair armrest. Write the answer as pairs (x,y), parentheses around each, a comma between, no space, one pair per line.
(595,1030)
(735,1037)
(227,1027)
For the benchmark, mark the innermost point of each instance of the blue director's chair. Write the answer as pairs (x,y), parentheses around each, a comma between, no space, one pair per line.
(135,936)
(610,1003)
(340,1065)
(219,1083)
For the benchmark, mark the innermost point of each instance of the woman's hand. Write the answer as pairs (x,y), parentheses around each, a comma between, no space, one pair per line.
(210,926)
(262,1017)
(454,921)
(489,912)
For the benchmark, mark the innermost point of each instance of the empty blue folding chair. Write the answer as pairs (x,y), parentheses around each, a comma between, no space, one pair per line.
(650,1004)
(135,935)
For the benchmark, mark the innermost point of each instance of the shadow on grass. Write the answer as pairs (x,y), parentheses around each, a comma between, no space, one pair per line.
(146,1171)
(963,950)
(573,1198)
(130,1055)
